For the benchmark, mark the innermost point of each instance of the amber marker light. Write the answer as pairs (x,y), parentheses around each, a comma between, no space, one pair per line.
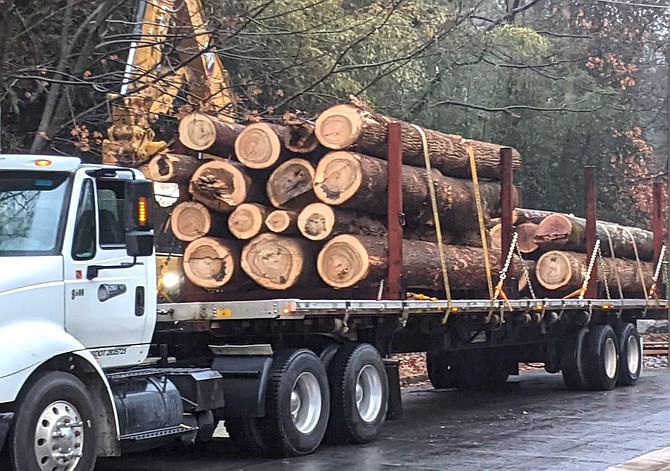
(455,309)
(43,163)
(142,211)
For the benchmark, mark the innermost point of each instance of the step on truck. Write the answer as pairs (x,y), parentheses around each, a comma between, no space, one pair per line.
(92,366)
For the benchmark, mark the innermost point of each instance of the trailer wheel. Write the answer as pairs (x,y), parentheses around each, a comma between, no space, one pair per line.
(630,354)
(359,394)
(441,374)
(602,358)
(54,428)
(298,404)
(572,359)
(245,431)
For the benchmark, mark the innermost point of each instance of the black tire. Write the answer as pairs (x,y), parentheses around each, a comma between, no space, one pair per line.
(282,435)
(602,358)
(630,354)
(572,359)
(246,433)
(50,397)
(357,368)
(441,373)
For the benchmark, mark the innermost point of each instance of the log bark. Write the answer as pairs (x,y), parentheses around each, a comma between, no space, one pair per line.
(211,263)
(350,260)
(261,145)
(351,127)
(202,132)
(356,181)
(563,270)
(282,221)
(526,241)
(191,220)
(277,262)
(248,220)
(563,232)
(290,185)
(318,221)
(223,185)
(172,168)
(536,216)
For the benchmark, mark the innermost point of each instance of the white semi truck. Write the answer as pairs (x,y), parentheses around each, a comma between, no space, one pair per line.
(91,366)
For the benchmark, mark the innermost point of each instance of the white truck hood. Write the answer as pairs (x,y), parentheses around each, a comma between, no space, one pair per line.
(27,273)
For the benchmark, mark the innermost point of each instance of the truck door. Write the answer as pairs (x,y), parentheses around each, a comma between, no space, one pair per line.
(107,313)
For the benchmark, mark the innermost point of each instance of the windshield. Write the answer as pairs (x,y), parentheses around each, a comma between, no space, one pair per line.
(31,209)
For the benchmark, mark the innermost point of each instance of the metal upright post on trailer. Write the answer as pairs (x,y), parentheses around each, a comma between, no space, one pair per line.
(590,186)
(506,187)
(394,284)
(657,229)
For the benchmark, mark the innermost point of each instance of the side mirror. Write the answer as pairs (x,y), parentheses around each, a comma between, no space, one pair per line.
(139,197)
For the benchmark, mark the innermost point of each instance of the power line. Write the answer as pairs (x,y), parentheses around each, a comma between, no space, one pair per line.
(630,4)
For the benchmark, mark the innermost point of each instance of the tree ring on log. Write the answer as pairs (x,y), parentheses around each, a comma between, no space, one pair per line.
(316,221)
(291,183)
(258,146)
(198,131)
(190,220)
(246,221)
(272,261)
(554,270)
(278,221)
(209,262)
(343,262)
(338,177)
(219,185)
(554,228)
(339,126)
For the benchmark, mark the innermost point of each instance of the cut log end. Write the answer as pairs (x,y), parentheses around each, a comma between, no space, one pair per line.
(555,228)
(220,185)
(273,261)
(338,177)
(290,185)
(316,221)
(172,168)
(301,138)
(553,270)
(197,131)
(190,220)
(526,241)
(247,220)
(258,146)
(339,126)
(343,262)
(279,220)
(210,262)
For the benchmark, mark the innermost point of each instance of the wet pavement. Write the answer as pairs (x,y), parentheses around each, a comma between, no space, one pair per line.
(532,424)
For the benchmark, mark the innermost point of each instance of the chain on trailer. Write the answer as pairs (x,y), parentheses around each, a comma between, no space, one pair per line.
(657,273)
(581,291)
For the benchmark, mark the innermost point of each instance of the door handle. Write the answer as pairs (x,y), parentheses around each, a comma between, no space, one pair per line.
(139,301)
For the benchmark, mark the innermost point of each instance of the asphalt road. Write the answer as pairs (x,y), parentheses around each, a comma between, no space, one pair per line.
(533,424)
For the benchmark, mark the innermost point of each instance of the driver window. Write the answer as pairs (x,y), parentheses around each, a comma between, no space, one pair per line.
(83,246)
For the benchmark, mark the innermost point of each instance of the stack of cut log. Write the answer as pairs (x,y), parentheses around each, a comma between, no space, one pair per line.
(302,204)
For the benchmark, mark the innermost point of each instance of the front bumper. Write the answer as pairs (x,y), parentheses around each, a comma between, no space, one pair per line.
(5,423)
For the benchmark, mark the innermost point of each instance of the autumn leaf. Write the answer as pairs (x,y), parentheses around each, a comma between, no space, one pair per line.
(87,74)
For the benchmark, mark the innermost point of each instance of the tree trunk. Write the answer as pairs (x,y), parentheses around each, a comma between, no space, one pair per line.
(357,181)
(300,138)
(350,260)
(202,132)
(223,185)
(290,185)
(525,241)
(278,263)
(536,216)
(281,221)
(562,232)
(351,127)
(172,168)
(191,220)
(260,145)
(318,221)
(248,220)
(560,270)
(213,263)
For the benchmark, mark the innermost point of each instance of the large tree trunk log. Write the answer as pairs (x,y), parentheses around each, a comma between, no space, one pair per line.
(282,221)
(318,221)
(278,263)
(359,182)
(349,260)
(290,185)
(212,263)
(301,137)
(260,145)
(560,270)
(526,240)
(351,127)
(223,185)
(248,220)
(191,220)
(562,232)
(172,168)
(202,132)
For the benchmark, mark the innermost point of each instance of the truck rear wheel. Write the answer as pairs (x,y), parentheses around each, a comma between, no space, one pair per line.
(297,404)
(54,428)
(441,374)
(359,394)
(245,431)
(572,359)
(602,358)
(630,354)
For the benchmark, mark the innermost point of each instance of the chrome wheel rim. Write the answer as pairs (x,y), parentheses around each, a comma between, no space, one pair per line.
(59,437)
(633,354)
(306,402)
(610,358)
(368,393)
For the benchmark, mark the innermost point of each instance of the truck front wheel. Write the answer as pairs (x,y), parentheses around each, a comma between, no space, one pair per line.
(54,428)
